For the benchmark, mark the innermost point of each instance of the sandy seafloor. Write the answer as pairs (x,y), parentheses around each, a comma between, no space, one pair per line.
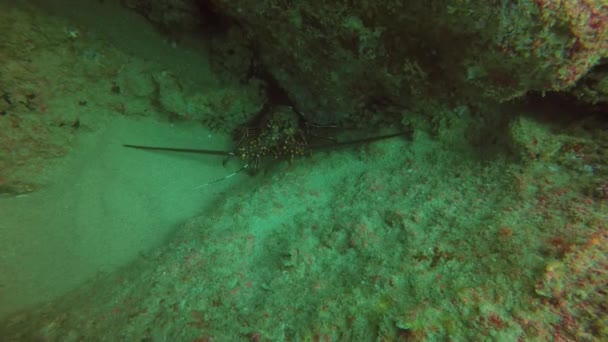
(427,238)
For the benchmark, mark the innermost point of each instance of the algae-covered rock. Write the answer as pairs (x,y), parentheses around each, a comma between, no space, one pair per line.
(342,60)
(576,287)
(223,107)
(170,16)
(593,88)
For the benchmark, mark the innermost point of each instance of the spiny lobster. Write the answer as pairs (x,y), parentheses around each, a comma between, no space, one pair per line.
(280,134)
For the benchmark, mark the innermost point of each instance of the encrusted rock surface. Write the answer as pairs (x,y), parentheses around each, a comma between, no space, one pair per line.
(170,16)
(341,60)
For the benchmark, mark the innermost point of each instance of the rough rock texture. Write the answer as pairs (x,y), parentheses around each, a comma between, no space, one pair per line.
(171,16)
(593,88)
(576,289)
(340,60)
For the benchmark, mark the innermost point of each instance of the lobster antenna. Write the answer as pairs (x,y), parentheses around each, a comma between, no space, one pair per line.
(177,149)
(358,141)
(224,178)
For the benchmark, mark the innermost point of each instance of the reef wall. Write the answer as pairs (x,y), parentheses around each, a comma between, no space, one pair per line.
(343,60)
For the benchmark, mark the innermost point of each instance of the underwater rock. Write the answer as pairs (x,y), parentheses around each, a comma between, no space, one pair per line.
(339,60)
(593,88)
(170,16)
